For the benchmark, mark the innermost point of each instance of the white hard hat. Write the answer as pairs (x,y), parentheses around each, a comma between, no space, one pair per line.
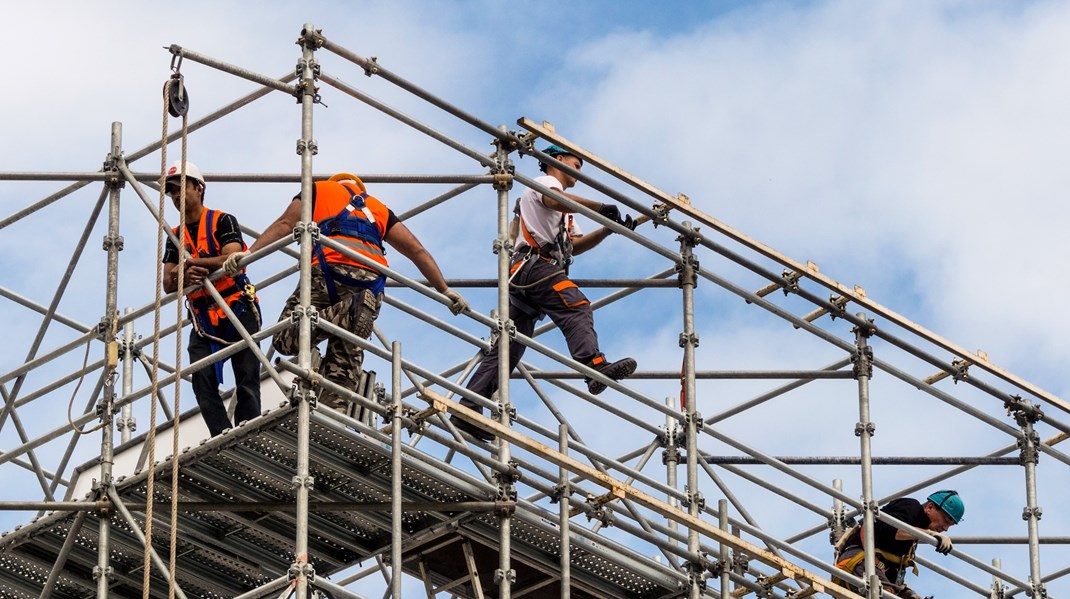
(192,172)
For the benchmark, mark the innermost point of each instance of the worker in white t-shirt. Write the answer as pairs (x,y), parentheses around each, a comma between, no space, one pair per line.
(539,286)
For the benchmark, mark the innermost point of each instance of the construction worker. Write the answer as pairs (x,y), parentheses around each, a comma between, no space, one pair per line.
(547,239)
(346,292)
(895,548)
(209,238)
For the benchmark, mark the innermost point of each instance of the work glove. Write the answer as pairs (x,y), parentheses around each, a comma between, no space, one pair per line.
(230,266)
(943,543)
(611,212)
(457,303)
(629,223)
(909,593)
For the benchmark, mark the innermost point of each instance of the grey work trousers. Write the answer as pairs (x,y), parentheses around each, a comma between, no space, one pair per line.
(541,288)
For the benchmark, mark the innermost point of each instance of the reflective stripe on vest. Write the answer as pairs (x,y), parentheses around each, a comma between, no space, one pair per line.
(331,199)
(200,301)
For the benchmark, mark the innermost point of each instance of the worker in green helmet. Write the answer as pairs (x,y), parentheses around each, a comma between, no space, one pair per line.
(894,547)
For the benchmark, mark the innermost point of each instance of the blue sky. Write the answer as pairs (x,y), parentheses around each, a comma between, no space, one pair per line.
(914,149)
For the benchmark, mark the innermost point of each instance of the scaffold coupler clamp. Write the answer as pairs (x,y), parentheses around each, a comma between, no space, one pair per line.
(961,370)
(697,573)
(560,493)
(862,358)
(869,429)
(790,281)
(689,339)
(1037,590)
(839,305)
(597,509)
(661,212)
(695,498)
(308,482)
(305,569)
(1035,512)
(1023,410)
(303,391)
(500,575)
(508,408)
(106,572)
(313,38)
(693,417)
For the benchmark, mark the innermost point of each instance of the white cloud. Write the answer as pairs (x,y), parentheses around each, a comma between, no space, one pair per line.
(913,149)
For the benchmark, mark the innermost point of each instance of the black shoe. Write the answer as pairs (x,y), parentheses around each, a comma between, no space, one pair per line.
(616,371)
(467,427)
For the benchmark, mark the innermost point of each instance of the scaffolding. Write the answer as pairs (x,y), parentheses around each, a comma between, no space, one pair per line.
(304,501)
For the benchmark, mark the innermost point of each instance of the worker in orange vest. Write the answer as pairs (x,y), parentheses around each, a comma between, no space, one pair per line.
(209,238)
(345,291)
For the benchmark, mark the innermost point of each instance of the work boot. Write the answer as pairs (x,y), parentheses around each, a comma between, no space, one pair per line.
(616,371)
(467,427)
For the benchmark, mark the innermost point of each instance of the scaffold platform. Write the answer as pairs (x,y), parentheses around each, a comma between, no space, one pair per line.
(245,544)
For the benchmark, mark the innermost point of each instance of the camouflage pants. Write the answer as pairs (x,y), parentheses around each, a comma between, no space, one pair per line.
(355,311)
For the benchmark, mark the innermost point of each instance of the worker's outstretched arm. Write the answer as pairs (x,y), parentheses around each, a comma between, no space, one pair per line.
(283,226)
(401,238)
(587,241)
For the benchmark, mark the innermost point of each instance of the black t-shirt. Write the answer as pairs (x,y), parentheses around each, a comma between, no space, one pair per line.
(906,509)
(391,218)
(226,231)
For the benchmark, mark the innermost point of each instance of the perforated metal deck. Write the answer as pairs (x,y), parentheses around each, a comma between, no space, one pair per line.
(224,554)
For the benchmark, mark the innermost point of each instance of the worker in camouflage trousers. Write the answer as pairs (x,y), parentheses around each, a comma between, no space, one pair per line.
(347,292)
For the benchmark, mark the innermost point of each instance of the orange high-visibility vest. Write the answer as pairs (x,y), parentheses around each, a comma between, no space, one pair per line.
(332,198)
(200,301)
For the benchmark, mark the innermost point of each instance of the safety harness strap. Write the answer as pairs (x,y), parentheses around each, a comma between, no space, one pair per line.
(350,225)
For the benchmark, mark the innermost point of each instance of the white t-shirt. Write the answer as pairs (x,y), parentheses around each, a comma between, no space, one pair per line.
(541,222)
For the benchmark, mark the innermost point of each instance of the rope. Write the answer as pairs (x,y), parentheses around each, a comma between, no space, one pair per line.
(178,368)
(154,380)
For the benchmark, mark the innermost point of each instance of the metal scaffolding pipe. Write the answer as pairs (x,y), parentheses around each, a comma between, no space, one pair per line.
(264,80)
(372,67)
(396,532)
(411,122)
(307,88)
(135,529)
(853,461)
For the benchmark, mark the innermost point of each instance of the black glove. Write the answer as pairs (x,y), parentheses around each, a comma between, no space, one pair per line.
(629,223)
(610,211)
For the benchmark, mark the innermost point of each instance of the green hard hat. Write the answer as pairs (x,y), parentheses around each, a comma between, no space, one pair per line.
(950,502)
(553,151)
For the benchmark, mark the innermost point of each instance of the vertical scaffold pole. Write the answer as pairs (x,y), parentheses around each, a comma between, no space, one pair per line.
(564,490)
(109,330)
(1026,414)
(837,523)
(997,584)
(395,470)
(504,576)
(670,456)
(722,521)
(688,269)
(126,423)
(302,570)
(864,430)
